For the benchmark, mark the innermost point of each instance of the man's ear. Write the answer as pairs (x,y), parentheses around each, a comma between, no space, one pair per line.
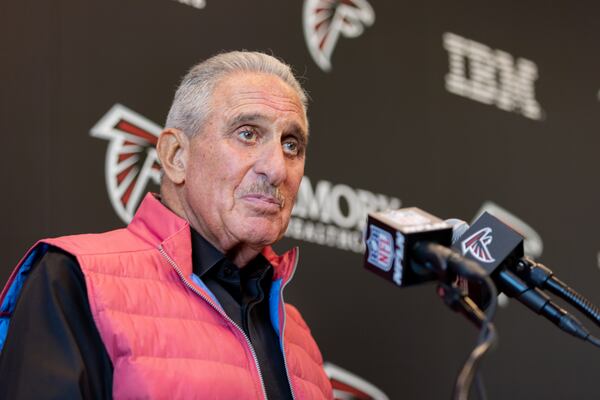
(172,149)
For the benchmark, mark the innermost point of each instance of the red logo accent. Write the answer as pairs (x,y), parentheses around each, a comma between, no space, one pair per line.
(477,244)
(131,160)
(347,386)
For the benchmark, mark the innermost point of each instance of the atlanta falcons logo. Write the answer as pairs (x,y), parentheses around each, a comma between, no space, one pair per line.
(131,160)
(325,20)
(477,245)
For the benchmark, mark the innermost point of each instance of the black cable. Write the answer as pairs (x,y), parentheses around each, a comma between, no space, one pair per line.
(539,275)
(448,265)
(487,337)
(539,302)
(586,307)
(465,377)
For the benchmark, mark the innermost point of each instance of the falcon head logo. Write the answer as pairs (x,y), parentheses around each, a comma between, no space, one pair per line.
(131,159)
(325,20)
(534,245)
(477,244)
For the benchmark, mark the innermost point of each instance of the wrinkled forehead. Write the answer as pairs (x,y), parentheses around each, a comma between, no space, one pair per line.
(242,91)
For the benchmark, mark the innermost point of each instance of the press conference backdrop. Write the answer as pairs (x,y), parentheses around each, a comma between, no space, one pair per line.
(454,107)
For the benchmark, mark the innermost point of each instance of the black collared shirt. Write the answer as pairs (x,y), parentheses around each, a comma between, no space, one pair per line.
(53,348)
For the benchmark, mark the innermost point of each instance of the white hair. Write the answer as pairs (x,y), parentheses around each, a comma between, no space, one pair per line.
(192,101)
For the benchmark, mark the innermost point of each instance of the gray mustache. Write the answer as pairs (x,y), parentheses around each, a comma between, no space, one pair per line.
(266,189)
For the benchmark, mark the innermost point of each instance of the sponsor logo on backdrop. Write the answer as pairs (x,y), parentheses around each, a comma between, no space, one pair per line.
(193,3)
(347,386)
(491,76)
(328,214)
(325,20)
(477,245)
(131,162)
(334,215)
(533,243)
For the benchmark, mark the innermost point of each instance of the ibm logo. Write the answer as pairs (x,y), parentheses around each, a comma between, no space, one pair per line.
(491,76)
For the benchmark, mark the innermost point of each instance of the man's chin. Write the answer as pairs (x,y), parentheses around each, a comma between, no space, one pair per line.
(260,231)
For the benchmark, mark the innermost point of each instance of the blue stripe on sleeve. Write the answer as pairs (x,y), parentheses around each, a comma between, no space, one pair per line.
(8,305)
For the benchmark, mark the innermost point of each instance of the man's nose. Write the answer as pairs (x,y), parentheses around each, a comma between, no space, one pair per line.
(272,163)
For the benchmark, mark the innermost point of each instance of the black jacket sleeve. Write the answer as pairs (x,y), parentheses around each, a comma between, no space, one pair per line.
(53,349)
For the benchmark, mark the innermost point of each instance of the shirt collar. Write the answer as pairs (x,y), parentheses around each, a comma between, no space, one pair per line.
(204,254)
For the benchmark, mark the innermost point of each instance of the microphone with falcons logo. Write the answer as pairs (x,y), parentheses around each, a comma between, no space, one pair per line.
(408,247)
(497,248)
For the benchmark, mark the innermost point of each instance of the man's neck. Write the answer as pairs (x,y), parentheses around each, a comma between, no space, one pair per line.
(242,255)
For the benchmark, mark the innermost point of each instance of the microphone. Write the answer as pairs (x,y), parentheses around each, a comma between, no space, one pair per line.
(498,248)
(410,246)
(390,238)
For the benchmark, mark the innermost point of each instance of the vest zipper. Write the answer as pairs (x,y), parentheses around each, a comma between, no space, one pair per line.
(287,372)
(209,301)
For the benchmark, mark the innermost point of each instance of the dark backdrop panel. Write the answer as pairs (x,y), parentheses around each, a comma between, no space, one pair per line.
(382,120)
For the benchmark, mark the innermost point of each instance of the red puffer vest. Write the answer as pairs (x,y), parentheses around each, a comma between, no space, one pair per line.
(166,335)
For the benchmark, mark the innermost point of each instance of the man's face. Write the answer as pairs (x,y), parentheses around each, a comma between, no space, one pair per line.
(245,166)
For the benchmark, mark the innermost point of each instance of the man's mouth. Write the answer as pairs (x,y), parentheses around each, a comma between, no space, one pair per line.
(264,201)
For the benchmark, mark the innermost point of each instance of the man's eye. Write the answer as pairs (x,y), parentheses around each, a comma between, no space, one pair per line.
(247,135)
(291,147)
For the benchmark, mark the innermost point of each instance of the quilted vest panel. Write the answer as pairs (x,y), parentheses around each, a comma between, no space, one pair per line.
(165,338)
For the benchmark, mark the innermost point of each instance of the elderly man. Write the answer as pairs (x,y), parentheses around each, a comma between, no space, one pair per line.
(186,302)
